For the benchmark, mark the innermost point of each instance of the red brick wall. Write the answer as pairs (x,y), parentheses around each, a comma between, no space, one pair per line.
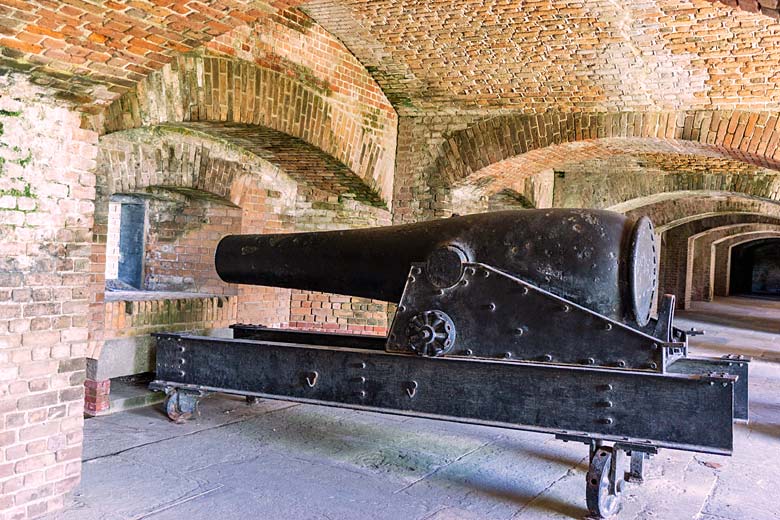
(46,208)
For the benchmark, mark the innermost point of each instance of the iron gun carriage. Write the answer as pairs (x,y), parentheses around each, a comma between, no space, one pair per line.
(541,317)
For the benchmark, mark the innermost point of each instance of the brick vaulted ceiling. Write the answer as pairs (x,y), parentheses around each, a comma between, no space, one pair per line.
(434,54)
(569,54)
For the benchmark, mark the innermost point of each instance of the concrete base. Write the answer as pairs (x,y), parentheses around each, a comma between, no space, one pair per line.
(284,460)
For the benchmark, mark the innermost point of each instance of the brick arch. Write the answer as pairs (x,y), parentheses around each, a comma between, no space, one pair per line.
(668,210)
(215,87)
(604,172)
(749,137)
(702,266)
(721,285)
(676,249)
(177,157)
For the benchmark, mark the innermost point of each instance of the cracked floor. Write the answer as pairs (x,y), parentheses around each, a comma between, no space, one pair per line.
(280,460)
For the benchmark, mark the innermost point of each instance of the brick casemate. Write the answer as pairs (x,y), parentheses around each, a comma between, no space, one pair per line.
(702,266)
(257,181)
(677,253)
(47,188)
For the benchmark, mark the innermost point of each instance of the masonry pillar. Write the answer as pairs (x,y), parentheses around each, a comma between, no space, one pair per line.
(47,190)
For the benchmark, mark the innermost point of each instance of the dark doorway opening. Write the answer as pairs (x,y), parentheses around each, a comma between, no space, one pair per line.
(755,269)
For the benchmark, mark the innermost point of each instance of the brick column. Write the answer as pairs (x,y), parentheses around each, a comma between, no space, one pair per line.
(96,396)
(47,190)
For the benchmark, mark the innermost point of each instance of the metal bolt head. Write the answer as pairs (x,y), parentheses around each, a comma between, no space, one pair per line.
(566,308)
(525,290)
(621,363)
(519,331)
(590,361)
(547,357)
(607,420)
(491,306)
(469,352)
(507,355)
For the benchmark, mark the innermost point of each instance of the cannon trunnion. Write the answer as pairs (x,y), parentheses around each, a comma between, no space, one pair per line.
(536,320)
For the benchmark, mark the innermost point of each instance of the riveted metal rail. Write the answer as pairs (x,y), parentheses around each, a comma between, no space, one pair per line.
(678,411)
(734,365)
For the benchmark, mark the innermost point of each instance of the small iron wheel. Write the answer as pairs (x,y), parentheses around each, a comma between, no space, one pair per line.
(431,333)
(180,406)
(603,491)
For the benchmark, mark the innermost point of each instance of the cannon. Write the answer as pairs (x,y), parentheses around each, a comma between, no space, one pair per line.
(540,320)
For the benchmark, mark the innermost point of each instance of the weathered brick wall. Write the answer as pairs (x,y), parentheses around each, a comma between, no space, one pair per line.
(769,8)
(193,168)
(46,203)
(723,248)
(101,49)
(607,181)
(144,314)
(181,238)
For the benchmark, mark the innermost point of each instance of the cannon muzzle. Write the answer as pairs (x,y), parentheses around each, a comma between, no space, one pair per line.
(601,260)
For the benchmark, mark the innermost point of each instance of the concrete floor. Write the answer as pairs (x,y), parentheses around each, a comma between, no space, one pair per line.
(281,460)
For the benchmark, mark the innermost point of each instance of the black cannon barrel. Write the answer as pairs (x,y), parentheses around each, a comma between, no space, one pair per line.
(601,260)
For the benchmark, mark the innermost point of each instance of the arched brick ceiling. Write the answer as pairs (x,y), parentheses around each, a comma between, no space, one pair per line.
(570,55)
(605,172)
(303,162)
(132,154)
(90,51)
(669,210)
